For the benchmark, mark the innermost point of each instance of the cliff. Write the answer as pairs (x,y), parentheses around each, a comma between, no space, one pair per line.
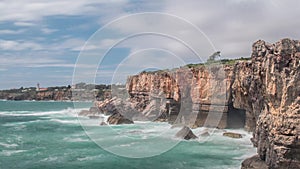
(262,95)
(269,90)
(184,95)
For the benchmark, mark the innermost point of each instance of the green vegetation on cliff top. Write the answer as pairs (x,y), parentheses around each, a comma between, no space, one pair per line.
(222,61)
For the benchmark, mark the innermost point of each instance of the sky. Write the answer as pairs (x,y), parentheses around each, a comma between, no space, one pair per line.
(51,42)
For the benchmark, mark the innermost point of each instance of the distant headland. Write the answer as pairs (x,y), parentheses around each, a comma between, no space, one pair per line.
(58,93)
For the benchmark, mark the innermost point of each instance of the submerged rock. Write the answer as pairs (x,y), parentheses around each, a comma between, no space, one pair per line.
(117,118)
(232,135)
(186,133)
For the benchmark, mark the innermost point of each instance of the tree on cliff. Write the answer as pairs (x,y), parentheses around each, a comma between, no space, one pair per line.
(213,56)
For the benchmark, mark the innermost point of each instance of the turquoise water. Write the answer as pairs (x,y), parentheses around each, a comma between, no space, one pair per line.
(35,135)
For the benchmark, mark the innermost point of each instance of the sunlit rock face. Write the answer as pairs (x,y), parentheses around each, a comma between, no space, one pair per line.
(274,94)
(263,92)
(185,95)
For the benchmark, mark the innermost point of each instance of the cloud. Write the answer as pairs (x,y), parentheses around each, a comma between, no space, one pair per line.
(33,10)
(233,25)
(48,31)
(24,24)
(71,44)
(18,45)
(11,32)
(25,61)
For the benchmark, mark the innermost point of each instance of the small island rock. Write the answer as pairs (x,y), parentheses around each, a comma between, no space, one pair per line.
(186,133)
(117,118)
(232,135)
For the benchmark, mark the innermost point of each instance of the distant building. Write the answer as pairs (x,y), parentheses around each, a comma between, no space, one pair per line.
(39,89)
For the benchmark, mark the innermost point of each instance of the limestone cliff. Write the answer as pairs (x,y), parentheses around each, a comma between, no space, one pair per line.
(184,95)
(270,93)
(261,94)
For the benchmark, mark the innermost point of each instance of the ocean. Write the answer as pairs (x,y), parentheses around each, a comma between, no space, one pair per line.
(44,135)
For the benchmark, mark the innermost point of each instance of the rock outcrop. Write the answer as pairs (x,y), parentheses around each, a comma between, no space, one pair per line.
(186,133)
(117,118)
(270,93)
(254,163)
(184,95)
(232,135)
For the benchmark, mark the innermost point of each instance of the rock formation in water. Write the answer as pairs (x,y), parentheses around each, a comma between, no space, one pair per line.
(232,135)
(186,133)
(118,118)
(262,95)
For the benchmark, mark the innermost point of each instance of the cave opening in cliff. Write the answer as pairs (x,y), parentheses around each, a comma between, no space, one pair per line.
(236,118)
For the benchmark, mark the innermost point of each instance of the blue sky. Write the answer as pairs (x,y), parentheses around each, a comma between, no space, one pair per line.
(40,41)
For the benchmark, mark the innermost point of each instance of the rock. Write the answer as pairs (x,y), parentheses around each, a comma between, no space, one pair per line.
(84,113)
(254,163)
(268,88)
(94,110)
(182,95)
(94,117)
(205,134)
(117,118)
(103,123)
(107,107)
(186,133)
(232,135)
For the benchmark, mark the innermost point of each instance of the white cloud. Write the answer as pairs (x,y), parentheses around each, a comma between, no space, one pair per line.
(25,61)
(18,45)
(48,31)
(233,25)
(72,44)
(11,32)
(33,10)
(24,24)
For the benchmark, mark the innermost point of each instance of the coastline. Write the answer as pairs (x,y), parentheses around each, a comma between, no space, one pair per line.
(258,92)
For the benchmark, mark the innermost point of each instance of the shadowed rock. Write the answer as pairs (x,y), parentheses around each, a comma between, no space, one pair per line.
(186,133)
(254,163)
(117,118)
(103,124)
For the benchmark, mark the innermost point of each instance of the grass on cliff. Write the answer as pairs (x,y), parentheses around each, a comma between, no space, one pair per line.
(223,61)
(197,65)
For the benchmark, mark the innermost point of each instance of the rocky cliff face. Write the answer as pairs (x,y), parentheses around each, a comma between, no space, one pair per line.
(267,89)
(270,93)
(184,95)
(262,95)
